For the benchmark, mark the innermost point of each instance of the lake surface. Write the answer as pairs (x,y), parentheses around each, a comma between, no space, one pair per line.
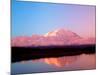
(65,63)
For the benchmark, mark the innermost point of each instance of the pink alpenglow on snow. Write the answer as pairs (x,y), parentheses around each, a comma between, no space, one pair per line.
(56,37)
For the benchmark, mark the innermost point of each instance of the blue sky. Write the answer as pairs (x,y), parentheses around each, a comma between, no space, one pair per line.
(39,18)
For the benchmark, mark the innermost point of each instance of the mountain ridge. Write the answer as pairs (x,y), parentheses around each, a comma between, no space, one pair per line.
(56,37)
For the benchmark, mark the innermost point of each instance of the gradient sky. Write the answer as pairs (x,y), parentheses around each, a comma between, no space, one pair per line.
(39,18)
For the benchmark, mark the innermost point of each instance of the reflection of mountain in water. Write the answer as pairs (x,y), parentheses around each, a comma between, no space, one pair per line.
(61,61)
(83,61)
(80,62)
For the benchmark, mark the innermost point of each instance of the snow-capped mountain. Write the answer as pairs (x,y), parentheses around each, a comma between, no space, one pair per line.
(61,37)
(61,33)
(56,37)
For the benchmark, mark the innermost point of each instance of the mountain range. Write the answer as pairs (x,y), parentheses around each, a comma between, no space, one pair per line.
(56,37)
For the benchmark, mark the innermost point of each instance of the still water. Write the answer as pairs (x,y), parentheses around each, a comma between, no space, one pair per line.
(66,63)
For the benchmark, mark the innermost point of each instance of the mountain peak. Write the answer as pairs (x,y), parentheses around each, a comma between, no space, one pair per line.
(61,32)
(55,32)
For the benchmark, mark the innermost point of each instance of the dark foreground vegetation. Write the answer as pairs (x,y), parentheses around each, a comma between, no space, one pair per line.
(28,53)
